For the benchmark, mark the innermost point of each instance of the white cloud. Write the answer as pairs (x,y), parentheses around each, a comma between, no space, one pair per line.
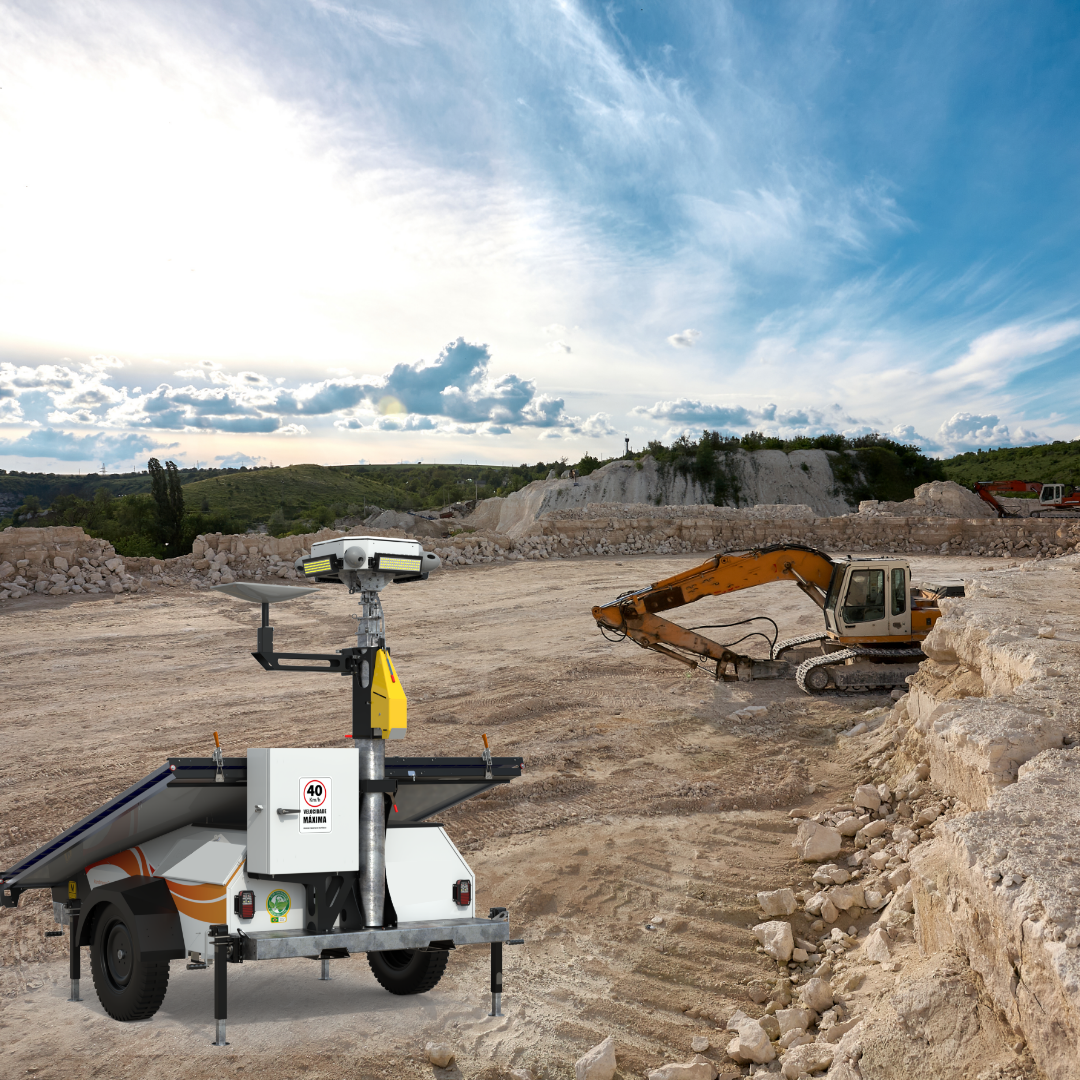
(994,358)
(971,431)
(685,339)
(597,426)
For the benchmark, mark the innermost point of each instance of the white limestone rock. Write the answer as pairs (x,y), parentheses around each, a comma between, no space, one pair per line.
(816,843)
(777,902)
(817,994)
(808,1058)
(866,795)
(751,1044)
(776,938)
(691,1070)
(439,1054)
(598,1063)
(794,1019)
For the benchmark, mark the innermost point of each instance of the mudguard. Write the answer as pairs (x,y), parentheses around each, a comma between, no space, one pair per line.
(152,916)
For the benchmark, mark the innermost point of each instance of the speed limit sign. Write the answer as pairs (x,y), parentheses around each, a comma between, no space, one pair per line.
(315,804)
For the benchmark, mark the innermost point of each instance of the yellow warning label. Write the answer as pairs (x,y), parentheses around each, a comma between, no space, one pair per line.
(73,891)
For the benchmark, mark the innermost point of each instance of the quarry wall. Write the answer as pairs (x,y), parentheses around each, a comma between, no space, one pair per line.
(751,477)
(992,723)
(29,557)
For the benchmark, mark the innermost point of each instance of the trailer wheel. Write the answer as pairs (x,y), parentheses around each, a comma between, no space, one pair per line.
(128,987)
(408,971)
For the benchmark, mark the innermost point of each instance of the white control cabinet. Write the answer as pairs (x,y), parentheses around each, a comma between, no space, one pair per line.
(303,810)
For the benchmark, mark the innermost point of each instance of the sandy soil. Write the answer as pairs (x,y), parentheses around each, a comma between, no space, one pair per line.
(640,799)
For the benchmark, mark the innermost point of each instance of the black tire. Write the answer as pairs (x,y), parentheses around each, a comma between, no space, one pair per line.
(128,987)
(408,971)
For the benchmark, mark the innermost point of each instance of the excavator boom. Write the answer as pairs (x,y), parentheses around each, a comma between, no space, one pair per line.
(986,489)
(634,614)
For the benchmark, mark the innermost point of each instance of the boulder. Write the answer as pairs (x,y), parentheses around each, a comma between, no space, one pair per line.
(777,902)
(816,843)
(691,1070)
(770,1026)
(806,1059)
(792,1019)
(866,795)
(817,994)
(776,938)
(439,1054)
(751,1044)
(878,946)
(847,896)
(598,1063)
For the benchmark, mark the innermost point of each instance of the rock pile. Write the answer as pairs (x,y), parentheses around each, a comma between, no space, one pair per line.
(941,498)
(59,561)
(861,850)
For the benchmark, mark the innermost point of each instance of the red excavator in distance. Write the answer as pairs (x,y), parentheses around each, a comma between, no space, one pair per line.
(1052,497)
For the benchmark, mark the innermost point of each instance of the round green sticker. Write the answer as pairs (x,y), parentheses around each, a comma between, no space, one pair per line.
(278,903)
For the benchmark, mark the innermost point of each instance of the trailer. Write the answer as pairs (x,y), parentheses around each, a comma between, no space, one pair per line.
(290,851)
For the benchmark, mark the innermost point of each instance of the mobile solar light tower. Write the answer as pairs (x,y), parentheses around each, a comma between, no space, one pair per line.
(315,852)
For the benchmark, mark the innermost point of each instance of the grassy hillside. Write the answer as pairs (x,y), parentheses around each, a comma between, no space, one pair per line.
(322,493)
(47,487)
(294,498)
(1056,462)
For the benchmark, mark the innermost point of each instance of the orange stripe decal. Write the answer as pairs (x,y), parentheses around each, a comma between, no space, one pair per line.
(127,861)
(206,913)
(201,894)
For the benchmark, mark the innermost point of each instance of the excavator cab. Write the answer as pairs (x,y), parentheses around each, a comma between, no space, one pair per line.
(869,600)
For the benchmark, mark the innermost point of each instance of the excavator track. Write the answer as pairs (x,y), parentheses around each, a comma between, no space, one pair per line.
(809,674)
(791,643)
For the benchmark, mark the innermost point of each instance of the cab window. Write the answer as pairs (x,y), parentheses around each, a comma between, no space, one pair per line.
(865,600)
(899,592)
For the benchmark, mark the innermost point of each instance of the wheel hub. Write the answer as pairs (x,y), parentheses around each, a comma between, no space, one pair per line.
(118,953)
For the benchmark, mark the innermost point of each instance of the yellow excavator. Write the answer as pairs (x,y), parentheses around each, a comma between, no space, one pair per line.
(875,619)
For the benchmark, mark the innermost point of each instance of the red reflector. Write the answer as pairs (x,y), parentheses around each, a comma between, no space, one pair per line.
(462,892)
(244,904)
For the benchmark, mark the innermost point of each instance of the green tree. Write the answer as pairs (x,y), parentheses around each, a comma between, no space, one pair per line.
(169,496)
(31,505)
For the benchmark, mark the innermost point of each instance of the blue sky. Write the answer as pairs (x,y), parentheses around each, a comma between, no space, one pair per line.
(323,230)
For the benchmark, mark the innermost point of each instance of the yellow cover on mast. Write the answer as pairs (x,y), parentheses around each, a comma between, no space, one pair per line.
(388,702)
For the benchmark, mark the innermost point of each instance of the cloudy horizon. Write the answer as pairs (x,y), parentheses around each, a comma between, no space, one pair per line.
(325,230)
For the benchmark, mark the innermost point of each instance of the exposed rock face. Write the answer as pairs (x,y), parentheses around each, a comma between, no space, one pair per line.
(1001,885)
(760,476)
(935,1027)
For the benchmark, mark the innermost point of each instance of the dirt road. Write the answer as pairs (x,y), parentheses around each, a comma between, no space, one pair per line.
(640,800)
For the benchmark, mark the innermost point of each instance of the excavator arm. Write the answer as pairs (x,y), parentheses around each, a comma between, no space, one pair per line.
(634,614)
(986,490)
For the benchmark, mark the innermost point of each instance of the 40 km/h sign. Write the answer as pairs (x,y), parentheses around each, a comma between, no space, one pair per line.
(315,804)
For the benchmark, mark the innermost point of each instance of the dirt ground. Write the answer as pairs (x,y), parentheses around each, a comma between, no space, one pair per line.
(640,799)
